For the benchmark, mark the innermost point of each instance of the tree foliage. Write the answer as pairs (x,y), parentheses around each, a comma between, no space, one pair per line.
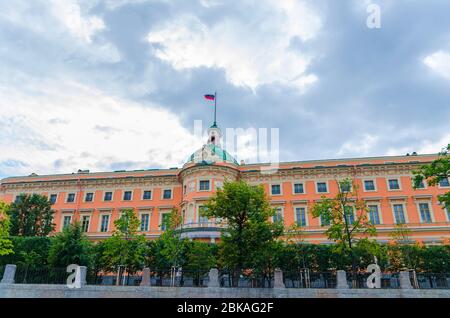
(125,247)
(249,234)
(6,246)
(71,246)
(31,215)
(346,214)
(434,172)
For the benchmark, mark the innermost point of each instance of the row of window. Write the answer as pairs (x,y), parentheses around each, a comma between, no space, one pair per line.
(108,196)
(373,214)
(105,222)
(393,184)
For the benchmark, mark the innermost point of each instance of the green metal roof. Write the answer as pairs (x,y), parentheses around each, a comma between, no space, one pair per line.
(217,151)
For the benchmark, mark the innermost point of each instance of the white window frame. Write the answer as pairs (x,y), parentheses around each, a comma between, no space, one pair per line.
(93,196)
(142,194)
(57,196)
(204,179)
(380,214)
(63,215)
(430,207)
(140,219)
(441,187)
(198,206)
(326,183)
(399,180)
(100,221)
(374,184)
(112,195)
(123,195)
(89,215)
(339,185)
(405,212)
(447,213)
(74,198)
(298,182)
(276,207)
(354,213)
(425,185)
(281,188)
(162,193)
(306,214)
(161,218)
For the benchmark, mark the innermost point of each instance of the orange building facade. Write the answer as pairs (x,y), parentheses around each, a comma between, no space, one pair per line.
(385,183)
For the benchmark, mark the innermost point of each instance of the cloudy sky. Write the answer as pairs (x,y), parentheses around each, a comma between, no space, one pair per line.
(117,84)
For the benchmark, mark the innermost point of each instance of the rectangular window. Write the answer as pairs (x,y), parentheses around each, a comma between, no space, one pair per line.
(127,195)
(89,197)
(447,208)
(399,214)
(165,218)
(276,189)
(144,222)
(167,194)
(374,216)
(201,217)
(349,214)
(147,195)
(394,184)
(322,187)
(298,188)
(300,214)
(444,182)
(278,216)
(421,185)
(104,223)
(204,185)
(425,212)
(108,196)
(71,198)
(66,221)
(369,185)
(324,221)
(85,223)
(53,198)
(345,186)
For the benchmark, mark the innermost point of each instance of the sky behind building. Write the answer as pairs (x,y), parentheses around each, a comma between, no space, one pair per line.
(117,84)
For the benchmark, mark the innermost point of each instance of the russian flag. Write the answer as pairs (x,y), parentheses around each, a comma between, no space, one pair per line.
(210,97)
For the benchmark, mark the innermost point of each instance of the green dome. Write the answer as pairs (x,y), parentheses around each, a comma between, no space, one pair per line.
(213,153)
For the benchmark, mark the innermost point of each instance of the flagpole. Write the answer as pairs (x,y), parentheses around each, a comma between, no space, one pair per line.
(215,107)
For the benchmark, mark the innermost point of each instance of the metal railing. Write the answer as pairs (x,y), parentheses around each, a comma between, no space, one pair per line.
(179,277)
(2,270)
(113,279)
(387,281)
(41,275)
(432,281)
(304,278)
(245,280)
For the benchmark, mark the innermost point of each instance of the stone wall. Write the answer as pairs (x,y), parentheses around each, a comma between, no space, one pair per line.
(62,291)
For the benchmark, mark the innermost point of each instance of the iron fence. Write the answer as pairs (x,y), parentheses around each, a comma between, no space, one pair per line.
(41,275)
(179,277)
(304,278)
(432,280)
(359,280)
(2,270)
(113,279)
(246,279)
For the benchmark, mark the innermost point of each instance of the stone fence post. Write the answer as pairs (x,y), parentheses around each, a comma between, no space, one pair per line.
(146,277)
(82,276)
(405,281)
(278,279)
(213,280)
(341,277)
(8,275)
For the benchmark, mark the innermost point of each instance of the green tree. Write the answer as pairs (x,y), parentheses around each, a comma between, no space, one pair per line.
(347,217)
(6,246)
(71,246)
(31,215)
(125,247)
(246,211)
(434,172)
